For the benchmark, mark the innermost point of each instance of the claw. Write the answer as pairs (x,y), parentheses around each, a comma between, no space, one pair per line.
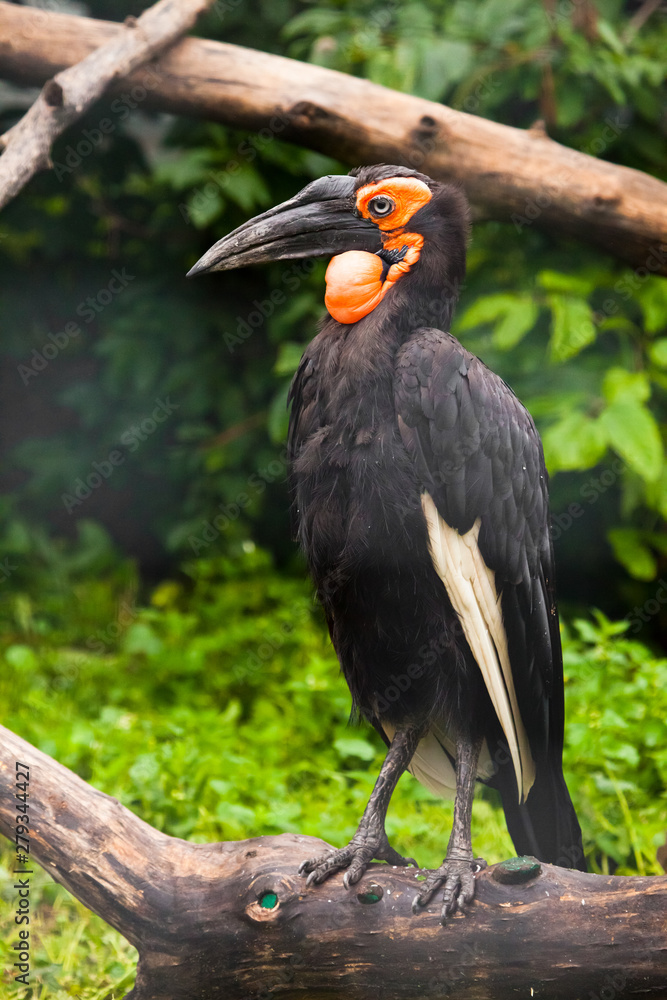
(313,878)
(355,857)
(457,875)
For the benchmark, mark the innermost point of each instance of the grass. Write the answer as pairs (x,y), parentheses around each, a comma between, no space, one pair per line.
(216,711)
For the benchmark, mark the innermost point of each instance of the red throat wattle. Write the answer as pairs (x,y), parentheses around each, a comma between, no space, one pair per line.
(355,282)
(354,279)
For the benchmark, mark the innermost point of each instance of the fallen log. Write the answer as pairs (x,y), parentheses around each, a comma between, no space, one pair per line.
(509,174)
(234,920)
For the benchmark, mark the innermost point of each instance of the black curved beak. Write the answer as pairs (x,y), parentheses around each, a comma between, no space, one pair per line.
(319,221)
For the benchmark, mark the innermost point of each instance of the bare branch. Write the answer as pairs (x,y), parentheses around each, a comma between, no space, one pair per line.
(70,93)
(509,174)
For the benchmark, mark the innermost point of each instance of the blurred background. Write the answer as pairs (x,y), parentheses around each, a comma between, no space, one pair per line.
(159,634)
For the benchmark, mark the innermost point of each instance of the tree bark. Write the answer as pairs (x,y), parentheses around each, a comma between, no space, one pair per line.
(509,174)
(234,920)
(70,93)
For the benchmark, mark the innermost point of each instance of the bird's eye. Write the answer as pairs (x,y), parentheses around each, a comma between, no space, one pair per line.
(381,205)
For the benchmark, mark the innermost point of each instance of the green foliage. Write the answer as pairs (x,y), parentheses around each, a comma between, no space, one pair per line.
(561,315)
(210,703)
(73,952)
(616,705)
(552,318)
(216,711)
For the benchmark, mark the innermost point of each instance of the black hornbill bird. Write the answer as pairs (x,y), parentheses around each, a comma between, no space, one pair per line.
(420,499)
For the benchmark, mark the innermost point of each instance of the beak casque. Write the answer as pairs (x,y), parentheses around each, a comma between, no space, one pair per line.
(319,221)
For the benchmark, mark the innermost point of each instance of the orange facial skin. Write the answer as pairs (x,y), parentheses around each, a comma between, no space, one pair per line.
(408,194)
(354,279)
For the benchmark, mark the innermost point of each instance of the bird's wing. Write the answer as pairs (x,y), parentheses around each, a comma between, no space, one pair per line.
(479,459)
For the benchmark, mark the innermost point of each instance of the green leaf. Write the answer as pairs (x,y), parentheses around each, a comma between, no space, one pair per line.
(520,317)
(608,35)
(516,315)
(619,383)
(569,284)
(634,435)
(486,309)
(351,746)
(575,442)
(244,186)
(444,63)
(313,22)
(186,170)
(624,752)
(278,415)
(653,299)
(658,352)
(145,769)
(289,355)
(234,812)
(20,657)
(204,207)
(656,494)
(573,327)
(141,638)
(632,552)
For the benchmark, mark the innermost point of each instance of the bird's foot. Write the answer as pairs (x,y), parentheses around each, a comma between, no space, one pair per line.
(457,875)
(362,849)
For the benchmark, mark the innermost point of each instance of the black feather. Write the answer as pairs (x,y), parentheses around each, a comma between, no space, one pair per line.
(381,411)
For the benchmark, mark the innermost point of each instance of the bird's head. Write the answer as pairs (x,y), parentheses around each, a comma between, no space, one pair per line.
(380,223)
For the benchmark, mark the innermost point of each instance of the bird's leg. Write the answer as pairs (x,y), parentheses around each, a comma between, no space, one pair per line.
(457,871)
(370,841)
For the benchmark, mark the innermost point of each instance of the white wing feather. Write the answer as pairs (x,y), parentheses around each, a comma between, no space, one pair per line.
(472,590)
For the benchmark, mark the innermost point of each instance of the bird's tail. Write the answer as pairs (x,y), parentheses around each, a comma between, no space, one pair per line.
(545,825)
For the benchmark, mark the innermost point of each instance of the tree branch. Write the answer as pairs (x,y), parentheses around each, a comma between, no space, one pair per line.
(70,93)
(509,174)
(234,920)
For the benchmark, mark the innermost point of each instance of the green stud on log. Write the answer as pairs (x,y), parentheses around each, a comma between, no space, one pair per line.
(269,900)
(516,870)
(373,894)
